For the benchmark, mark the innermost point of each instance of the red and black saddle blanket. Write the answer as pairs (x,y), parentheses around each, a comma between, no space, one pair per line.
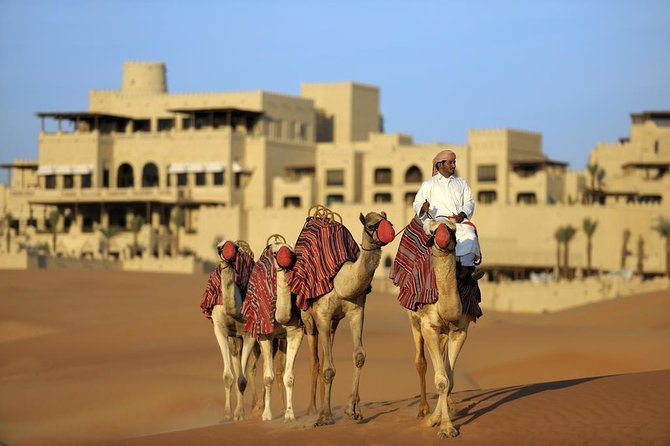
(321,249)
(413,273)
(261,301)
(244,263)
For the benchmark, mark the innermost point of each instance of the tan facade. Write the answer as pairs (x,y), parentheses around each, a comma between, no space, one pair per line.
(244,165)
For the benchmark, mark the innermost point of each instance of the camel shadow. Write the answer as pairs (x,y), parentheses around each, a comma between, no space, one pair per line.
(477,407)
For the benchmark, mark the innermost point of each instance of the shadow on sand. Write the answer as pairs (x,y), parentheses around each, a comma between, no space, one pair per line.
(477,404)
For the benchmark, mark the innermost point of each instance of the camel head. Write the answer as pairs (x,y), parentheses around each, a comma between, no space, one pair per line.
(443,232)
(378,228)
(284,253)
(227,250)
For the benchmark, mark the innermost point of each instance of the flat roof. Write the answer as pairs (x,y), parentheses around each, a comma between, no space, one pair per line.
(75,115)
(215,110)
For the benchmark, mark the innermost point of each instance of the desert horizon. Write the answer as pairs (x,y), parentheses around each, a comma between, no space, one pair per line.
(92,357)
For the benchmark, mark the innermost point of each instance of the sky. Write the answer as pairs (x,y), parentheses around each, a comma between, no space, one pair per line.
(571,70)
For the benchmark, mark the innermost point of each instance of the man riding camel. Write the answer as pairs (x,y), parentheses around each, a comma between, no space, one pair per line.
(445,195)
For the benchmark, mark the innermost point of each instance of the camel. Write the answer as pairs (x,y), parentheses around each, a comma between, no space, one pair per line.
(439,325)
(233,340)
(347,299)
(287,332)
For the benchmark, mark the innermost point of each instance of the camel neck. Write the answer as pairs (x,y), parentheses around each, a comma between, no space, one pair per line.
(449,302)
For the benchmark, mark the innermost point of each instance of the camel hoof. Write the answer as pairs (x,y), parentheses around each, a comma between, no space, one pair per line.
(423,411)
(289,417)
(449,432)
(239,416)
(353,414)
(324,420)
(267,416)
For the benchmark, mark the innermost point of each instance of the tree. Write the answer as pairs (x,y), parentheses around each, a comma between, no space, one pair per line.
(7,220)
(593,171)
(108,233)
(589,227)
(136,226)
(563,236)
(558,236)
(625,252)
(179,221)
(663,229)
(640,256)
(54,218)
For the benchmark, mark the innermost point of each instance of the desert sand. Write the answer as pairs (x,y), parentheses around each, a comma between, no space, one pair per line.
(103,357)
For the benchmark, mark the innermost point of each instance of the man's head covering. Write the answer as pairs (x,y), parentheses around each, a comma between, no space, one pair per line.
(442,156)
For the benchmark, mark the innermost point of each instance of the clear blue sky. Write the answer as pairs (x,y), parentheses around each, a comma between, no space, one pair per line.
(572,70)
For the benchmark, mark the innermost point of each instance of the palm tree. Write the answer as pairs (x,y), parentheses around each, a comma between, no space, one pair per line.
(136,226)
(558,235)
(589,227)
(563,236)
(7,220)
(593,171)
(624,248)
(108,233)
(640,256)
(179,221)
(663,229)
(54,218)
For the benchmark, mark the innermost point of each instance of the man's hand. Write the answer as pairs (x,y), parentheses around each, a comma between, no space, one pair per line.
(424,207)
(460,217)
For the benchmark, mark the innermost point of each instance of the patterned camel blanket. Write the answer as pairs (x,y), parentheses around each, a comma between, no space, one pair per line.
(259,306)
(322,248)
(413,273)
(212,294)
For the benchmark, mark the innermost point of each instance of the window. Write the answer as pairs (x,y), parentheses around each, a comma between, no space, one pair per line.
(334,199)
(200,178)
(86,181)
(150,175)
(218,178)
(182,179)
(105,177)
(165,124)
(409,198)
(413,175)
(303,131)
(141,125)
(335,177)
(383,176)
(124,176)
(68,181)
(487,196)
(50,182)
(382,197)
(487,173)
(186,123)
(291,202)
(526,197)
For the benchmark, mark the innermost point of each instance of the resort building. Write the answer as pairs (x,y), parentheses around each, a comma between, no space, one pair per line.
(198,167)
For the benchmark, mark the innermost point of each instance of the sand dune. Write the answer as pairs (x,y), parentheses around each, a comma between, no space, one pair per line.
(91,357)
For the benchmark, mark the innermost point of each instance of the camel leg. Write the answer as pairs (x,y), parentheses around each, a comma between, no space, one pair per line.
(268,375)
(236,352)
(222,338)
(313,343)
(421,366)
(257,403)
(323,322)
(280,367)
(248,344)
(356,318)
(454,345)
(293,340)
(441,414)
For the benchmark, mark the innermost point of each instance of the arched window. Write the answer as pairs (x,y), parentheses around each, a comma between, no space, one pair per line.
(124,176)
(150,175)
(413,175)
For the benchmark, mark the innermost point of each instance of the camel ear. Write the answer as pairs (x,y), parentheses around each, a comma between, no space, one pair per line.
(362,218)
(383,214)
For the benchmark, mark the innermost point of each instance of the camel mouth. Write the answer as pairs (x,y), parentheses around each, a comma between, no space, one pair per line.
(285,257)
(228,251)
(385,232)
(442,236)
